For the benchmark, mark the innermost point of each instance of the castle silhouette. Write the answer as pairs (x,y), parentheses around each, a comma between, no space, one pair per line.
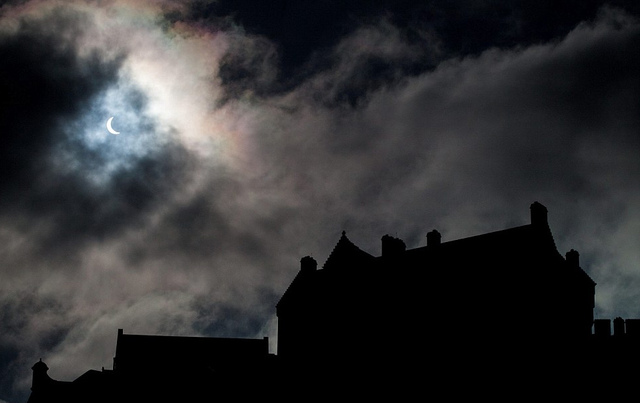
(484,315)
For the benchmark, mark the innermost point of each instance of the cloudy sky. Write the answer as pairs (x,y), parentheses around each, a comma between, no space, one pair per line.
(253,133)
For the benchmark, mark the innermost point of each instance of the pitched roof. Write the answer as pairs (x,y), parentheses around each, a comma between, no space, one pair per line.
(295,291)
(525,254)
(346,252)
(308,284)
(527,251)
(507,241)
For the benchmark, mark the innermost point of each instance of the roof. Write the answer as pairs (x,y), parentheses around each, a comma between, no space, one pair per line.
(511,241)
(40,366)
(346,251)
(525,256)
(138,351)
(524,246)
(309,284)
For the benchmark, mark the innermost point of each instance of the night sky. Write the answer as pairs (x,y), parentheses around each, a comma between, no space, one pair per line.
(252,133)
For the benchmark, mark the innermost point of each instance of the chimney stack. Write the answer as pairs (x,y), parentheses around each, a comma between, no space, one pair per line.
(308,263)
(538,214)
(618,327)
(602,327)
(434,238)
(392,246)
(573,258)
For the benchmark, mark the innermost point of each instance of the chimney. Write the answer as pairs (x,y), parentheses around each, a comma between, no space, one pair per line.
(434,238)
(632,327)
(618,327)
(602,327)
(573,258)
(392,246)
(308,264)
(538,214)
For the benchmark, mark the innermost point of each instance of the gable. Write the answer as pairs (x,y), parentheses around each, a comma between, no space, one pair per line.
(347,254)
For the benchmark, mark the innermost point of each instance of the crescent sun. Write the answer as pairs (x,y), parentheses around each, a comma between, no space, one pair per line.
(111,128)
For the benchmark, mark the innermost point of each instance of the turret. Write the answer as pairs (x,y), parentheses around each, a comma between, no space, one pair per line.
(40,377)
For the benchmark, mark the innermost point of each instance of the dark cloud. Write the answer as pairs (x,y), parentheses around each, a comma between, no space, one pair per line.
(44,84)
(249,69)
(506,126)
(18,318)
(306,34)
(244,318)
(47,84)
(30,323)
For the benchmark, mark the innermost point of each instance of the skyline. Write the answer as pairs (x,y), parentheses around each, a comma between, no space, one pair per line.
(253,136)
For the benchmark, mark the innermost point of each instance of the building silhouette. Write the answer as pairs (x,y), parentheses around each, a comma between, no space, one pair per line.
(149,368)
(502,308)
(446,288)
(506,297)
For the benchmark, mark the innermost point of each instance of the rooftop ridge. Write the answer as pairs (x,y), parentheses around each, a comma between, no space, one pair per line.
(340,244)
